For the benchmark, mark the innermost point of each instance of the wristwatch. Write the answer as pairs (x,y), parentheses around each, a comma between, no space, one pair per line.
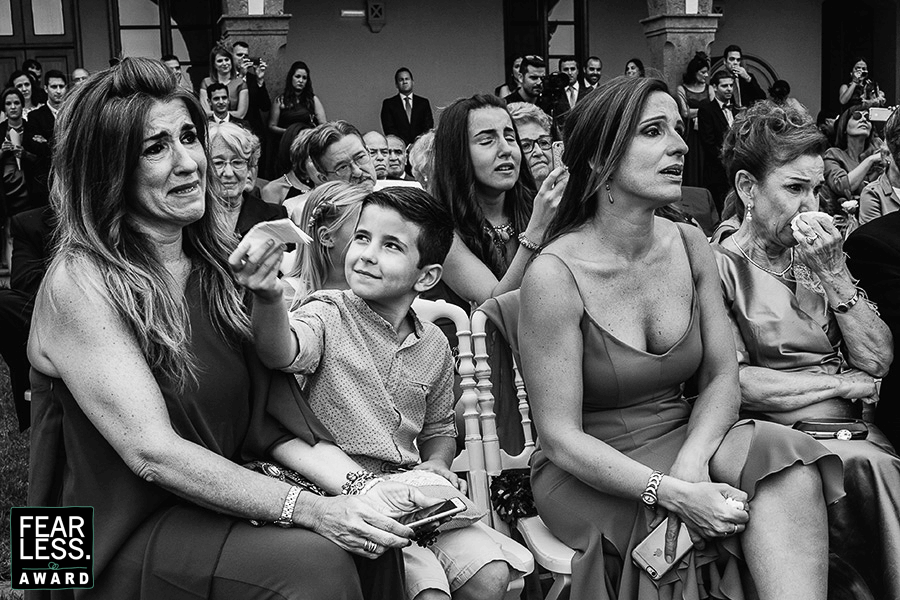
(287,510)
(845,306)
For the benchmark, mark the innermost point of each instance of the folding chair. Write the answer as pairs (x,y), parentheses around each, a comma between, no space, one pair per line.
(549,552)
(471,460)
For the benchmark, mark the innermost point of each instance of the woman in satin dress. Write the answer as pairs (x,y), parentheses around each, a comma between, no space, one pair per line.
(617,312)
(810,345)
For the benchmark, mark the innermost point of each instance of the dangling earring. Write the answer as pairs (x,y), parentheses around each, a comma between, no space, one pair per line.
(609,194)
(749,215)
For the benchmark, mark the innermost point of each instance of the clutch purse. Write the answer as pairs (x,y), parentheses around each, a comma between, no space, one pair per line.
(834,429)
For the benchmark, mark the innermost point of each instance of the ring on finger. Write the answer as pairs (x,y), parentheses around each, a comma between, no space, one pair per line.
(810,239)
(734,531)
(371,546)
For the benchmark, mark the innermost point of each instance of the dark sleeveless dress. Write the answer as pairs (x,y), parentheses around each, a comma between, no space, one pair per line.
(150,543)
(693,160)
(633,401)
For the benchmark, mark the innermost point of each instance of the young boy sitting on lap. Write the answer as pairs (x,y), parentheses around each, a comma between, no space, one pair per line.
(378,378)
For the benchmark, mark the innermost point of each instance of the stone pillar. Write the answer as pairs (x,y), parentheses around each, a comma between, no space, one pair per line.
(674,36)
(266,34)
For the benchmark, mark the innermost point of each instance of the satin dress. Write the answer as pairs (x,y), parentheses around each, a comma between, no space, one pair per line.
(795,331)
(633,401)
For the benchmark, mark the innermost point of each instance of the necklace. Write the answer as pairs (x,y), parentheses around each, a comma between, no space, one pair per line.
(762,268)
(500,234)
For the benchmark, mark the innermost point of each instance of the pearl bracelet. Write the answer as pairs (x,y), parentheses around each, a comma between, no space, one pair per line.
(528,244)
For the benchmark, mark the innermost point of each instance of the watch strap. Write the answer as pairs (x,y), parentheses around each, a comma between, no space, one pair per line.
(649,495)
(843,307)
(287,511)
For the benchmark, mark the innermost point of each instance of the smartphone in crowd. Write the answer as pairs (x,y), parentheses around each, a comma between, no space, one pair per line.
(556,152)
(650,554)
(433,515)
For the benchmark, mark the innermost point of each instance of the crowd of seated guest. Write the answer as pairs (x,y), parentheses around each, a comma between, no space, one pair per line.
(182,327)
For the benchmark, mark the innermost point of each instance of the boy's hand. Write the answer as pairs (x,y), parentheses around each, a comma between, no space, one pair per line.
(440,468)
(256,268)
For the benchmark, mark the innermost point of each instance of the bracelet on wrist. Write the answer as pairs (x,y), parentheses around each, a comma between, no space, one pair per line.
(649,495)
(359,482)
(528,244)
(287,511)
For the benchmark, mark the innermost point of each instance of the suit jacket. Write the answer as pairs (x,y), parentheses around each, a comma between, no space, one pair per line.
(236,120)
(874,251)
(31,231)
(878,199)
(36,155)
(43,120)
(698,203)
(750,91)
(712,126)
(256,210)
(394,121)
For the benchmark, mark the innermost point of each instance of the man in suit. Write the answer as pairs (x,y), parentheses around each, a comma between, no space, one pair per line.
(593,70)
(747,90)
(396,167)
(406,115)
(31,231)
(218,102)
(714,118)
(568,65)
(874,251)
(254,73)
(44,120)
(337,153)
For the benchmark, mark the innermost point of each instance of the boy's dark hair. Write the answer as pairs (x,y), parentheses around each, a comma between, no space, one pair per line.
(418,206)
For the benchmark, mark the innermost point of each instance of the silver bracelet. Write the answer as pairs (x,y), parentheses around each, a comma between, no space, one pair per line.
(358,482)
(528,244)
(649,496)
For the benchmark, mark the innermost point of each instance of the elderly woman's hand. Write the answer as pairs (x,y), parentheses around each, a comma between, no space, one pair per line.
(255,267)
(820,246)
(359,524)
(546,202)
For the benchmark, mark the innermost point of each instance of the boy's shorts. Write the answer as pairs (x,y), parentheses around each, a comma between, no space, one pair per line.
(454,558)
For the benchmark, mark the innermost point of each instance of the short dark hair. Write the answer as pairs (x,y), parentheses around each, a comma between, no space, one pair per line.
(730,49)
(719,76)
(402,70)
(421,208)
(166,57)
(28,63)
(215,87)
(241,43)
(55,74)
(590,58)
(531,61)
(10,91)
(567,58)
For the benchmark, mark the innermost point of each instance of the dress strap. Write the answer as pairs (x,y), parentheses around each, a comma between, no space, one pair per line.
(575,279)
(687,249)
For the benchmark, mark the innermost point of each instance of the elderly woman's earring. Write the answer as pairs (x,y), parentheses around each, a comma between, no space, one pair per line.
(609,195)
(749,216)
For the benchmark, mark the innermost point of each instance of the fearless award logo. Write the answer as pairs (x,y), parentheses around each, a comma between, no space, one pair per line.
(51,548)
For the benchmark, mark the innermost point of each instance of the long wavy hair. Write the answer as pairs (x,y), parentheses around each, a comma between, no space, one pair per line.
(327,208)
(454,181)
(100,131)
(597,134)
(291,97)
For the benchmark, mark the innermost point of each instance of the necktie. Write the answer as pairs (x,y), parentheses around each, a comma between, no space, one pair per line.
(737,91)
(407,103)
(728,109)
(572,96)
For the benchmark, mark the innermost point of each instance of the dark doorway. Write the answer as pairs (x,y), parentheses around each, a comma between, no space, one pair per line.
(529,27)
(851,30)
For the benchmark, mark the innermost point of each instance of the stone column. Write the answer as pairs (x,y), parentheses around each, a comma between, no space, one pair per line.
(266,34)
(674,36)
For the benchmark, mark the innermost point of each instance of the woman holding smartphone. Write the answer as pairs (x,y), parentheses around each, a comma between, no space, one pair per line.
(618,311)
